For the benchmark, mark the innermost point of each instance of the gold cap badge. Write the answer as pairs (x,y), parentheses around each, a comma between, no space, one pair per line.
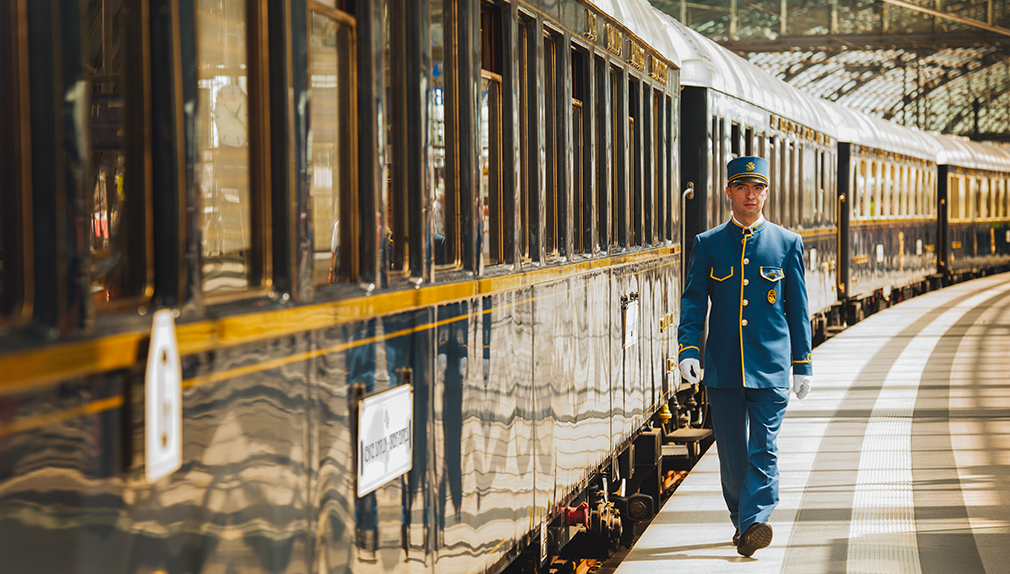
(750,166)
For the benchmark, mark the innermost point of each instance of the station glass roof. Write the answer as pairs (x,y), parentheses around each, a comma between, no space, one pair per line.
(939,65)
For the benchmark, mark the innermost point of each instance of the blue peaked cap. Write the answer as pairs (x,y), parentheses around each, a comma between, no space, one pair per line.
(747,168)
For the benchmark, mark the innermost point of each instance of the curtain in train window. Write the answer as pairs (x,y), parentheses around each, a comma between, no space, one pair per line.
(491,183)
(905,185)
(223,169)
(971,196)
(116,190)
(960,197)
(864,182)
(333,153)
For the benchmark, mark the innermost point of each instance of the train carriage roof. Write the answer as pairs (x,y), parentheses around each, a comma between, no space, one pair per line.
(707,64)
(859,128)
(962,152)
(640,17)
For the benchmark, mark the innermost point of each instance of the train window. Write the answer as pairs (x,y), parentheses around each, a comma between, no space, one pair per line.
(602,180)
(713,172)
(554,228)
(635,232)
(1001,201)
(224,173)
(671,193)
(332,109)
(773,174)
(395,236)
(916,190)
(888,202)
(528,151)
(822,186)
(116,188)
(954,199)
(865,191)
(618,210)
(658,197)
(647,149)
(974,195)
(962,198)
(734,139)
(906,190)
(444,127)
(581,226)
(15,163)
(493,197)
(720,209)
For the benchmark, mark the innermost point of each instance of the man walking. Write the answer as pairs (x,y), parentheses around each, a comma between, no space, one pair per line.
(751,271)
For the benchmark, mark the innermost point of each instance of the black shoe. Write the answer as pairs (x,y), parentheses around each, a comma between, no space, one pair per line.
(758,536)
(736,537)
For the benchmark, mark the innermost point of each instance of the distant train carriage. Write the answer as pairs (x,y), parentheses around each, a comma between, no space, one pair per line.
(975,206)
(888,218)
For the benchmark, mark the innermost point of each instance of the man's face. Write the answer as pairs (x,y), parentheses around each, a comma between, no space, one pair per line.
(748,199)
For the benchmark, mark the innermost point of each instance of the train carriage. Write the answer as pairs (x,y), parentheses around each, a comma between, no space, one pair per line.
(974,204)
(334,200)
(888,215)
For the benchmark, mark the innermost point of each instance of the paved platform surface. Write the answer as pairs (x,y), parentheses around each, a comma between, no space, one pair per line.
(898,461)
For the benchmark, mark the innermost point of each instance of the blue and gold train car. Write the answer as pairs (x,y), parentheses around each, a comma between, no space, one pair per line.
(331,200)
(888,212)
(975,233)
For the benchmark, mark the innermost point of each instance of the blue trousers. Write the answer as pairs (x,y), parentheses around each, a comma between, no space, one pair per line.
(746,422)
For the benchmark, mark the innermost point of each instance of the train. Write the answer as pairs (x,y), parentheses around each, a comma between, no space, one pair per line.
(393,285)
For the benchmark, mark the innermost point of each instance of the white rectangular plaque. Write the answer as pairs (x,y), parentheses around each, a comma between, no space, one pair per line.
(631,324)
(385,440)
(162,400)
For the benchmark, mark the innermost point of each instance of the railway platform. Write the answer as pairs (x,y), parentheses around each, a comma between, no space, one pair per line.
(898,461)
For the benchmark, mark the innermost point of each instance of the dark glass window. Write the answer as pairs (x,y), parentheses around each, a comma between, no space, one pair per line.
(581,225)
(618,210)
(333,153)
(14,160)
(116,190)
(635,160)
(527,153)
(493,197)
(554,228)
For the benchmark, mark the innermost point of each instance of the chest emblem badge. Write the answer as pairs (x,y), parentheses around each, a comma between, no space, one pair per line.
(772,297)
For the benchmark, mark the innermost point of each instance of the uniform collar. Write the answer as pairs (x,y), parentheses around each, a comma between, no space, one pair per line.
(749,230)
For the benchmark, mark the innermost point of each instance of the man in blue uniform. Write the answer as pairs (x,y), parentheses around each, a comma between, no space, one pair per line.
(751,271)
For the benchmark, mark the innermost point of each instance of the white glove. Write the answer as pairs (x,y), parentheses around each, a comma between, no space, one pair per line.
(690,371)
(801,385)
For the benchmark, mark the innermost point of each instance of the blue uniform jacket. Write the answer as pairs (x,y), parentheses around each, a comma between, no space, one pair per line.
(759,324)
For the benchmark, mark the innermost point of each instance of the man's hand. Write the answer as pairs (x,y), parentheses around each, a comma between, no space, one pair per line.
(801,385)
(690,371)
